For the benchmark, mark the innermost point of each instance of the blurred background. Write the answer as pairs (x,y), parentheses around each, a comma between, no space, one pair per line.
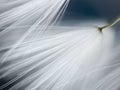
(92,9)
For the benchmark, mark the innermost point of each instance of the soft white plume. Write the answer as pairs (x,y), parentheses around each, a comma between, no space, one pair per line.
(36,55)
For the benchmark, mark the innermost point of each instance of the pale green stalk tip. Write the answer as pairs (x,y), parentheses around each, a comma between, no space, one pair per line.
(109,25)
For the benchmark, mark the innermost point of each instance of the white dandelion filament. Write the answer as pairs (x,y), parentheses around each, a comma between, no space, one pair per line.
(52,10)
(37,58)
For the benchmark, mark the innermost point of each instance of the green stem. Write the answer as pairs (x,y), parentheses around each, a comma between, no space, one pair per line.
(109,25)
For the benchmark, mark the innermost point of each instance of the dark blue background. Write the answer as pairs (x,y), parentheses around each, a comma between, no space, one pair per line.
(88,9)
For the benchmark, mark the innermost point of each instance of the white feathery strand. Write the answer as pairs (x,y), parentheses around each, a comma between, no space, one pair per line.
(5,56)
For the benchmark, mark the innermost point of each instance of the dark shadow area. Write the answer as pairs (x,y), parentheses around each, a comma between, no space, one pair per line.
(92,9)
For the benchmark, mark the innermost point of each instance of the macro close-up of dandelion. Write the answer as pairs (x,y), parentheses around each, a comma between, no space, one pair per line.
(59,45)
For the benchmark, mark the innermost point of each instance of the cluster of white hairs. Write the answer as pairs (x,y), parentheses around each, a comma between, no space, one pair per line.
(76,58)
(31,12)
